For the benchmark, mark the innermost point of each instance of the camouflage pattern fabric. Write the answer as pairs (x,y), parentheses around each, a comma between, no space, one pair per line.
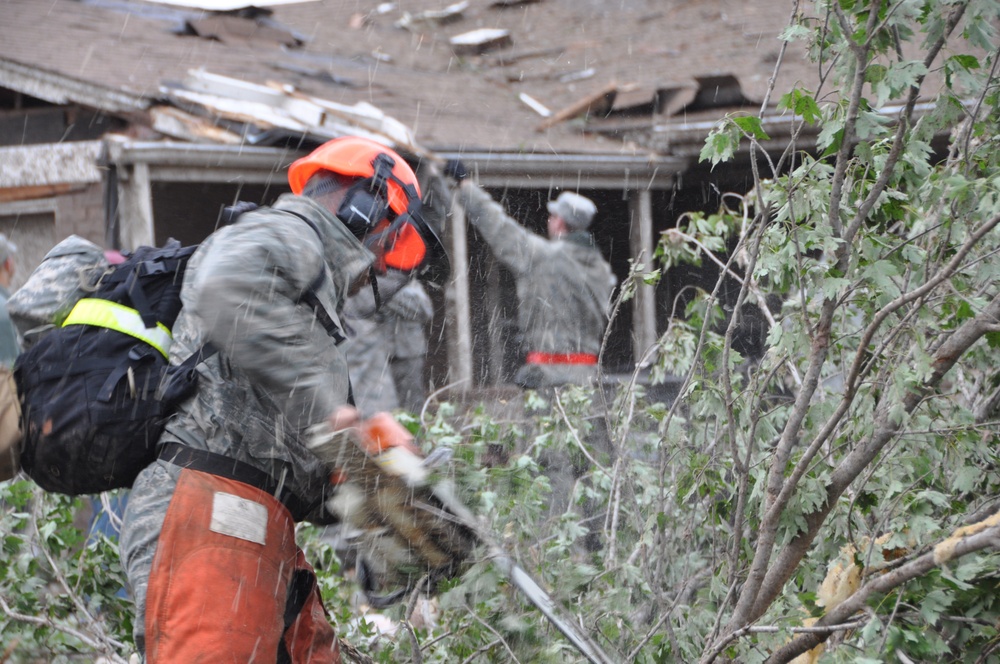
(377,346)
(277,372)
(368,360)
(563,287)
(69,271)
(410,313)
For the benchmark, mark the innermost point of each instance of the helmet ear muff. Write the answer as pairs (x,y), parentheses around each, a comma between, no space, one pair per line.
(366,202)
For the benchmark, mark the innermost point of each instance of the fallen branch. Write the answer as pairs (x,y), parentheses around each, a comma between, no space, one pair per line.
(965,540)
(44,621)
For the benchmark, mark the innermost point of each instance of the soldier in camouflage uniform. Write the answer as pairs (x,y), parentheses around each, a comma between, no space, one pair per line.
(564,284)
(410,313)
(385,353)
(564,288)
(208,538)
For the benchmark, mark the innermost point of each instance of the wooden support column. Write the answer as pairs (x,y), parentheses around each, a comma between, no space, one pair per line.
(135,207)
(458,314)
(642,246)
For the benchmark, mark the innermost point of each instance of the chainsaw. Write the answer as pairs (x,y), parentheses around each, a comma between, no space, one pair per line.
(421,528)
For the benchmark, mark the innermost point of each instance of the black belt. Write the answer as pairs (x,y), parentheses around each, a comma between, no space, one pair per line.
(232,469)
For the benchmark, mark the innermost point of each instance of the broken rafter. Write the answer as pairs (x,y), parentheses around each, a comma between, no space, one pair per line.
(602,99)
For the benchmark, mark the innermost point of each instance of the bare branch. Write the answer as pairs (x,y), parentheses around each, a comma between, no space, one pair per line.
(100,644)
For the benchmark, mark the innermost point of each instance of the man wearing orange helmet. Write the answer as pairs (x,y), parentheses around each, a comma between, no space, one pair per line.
(208,538)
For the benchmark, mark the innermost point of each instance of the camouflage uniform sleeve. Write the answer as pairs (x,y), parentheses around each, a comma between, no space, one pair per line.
(512,244)
(247,293)
(411,303)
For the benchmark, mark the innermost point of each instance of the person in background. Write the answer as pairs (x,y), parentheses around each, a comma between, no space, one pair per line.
(564,283)
(410,314)
(564,287)
(10,346)
(385,352)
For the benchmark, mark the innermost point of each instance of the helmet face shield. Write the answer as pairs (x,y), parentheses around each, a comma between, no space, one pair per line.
(408,244)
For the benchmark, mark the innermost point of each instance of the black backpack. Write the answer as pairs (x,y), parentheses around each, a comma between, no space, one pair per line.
(96,392)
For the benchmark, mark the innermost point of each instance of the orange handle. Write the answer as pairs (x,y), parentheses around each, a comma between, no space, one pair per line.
(381,431)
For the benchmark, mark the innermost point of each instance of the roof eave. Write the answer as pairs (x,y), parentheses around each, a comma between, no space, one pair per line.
(172,161)
(58,89)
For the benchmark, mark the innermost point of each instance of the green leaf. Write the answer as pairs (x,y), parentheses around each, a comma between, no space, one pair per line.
(965,61)
(934,604)
(719,146)
(801,103)
(875,73)
(751,126)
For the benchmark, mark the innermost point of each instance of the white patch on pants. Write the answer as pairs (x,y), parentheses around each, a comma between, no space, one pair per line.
(238,517)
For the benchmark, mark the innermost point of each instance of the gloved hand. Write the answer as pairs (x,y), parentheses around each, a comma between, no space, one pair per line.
(387,493)
(455,169)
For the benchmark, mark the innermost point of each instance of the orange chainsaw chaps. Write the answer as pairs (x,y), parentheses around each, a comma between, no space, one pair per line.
(219,597)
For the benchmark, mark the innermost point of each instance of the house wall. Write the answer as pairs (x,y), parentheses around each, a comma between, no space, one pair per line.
(36,225)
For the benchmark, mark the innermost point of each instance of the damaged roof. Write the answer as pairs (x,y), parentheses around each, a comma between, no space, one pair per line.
(584,77)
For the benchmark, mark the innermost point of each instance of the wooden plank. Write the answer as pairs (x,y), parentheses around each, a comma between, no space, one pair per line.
(642,241)
(135,207)
(457,294)
(602,98)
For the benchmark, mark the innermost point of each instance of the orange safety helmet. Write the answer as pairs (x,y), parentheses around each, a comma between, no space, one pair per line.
(355,156)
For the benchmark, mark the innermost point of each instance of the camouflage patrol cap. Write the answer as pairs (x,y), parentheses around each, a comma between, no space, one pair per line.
(576,210)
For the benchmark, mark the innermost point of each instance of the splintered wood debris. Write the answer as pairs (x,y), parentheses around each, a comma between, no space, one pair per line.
(272,110)
(535,105)
(480,41)
(596,103)
(432,17)
(509,4)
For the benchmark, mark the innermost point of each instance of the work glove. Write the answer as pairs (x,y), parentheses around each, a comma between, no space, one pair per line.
(402,511)
(455,169)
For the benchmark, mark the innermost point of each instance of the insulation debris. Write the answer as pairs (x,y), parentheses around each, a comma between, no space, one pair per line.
(480,41)
(449,14)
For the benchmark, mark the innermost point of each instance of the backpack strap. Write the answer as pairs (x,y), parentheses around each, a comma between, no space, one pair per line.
(311,298)
(118,317)
(131,273)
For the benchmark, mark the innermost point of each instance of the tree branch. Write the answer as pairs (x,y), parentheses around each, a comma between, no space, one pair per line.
(964,541)
(858,458)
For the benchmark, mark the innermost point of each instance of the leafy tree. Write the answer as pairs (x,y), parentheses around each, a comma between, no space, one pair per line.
(865,438)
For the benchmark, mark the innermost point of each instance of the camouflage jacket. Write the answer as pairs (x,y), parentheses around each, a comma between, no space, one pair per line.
(278,371)
(563,286)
